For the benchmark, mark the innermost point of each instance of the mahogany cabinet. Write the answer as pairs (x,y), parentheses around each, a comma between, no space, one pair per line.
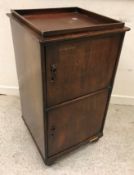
(66,63)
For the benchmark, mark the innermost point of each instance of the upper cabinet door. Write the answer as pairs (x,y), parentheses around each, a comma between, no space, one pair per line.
(78,67)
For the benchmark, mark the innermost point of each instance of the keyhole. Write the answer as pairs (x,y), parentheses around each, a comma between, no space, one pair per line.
(53,128)
(52,131)
(53,72)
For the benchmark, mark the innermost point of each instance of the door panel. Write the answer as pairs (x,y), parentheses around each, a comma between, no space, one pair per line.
(78,67)
(75,122)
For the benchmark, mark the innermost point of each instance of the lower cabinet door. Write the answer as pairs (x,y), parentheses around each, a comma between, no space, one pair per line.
(75,121)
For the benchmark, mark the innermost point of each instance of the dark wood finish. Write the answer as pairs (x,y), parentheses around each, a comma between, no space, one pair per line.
(112,81)
(29,70)
(77,66)
(67,20)
(66,63)
(75,122)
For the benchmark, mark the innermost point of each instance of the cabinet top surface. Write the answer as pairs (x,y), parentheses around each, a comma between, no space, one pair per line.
(56,21)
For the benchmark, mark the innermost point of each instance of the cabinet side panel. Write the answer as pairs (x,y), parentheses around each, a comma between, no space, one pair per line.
(28,61)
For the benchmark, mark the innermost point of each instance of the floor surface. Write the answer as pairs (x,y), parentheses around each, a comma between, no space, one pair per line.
(113,154)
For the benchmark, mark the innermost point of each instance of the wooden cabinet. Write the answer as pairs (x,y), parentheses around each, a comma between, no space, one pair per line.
(66,62)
